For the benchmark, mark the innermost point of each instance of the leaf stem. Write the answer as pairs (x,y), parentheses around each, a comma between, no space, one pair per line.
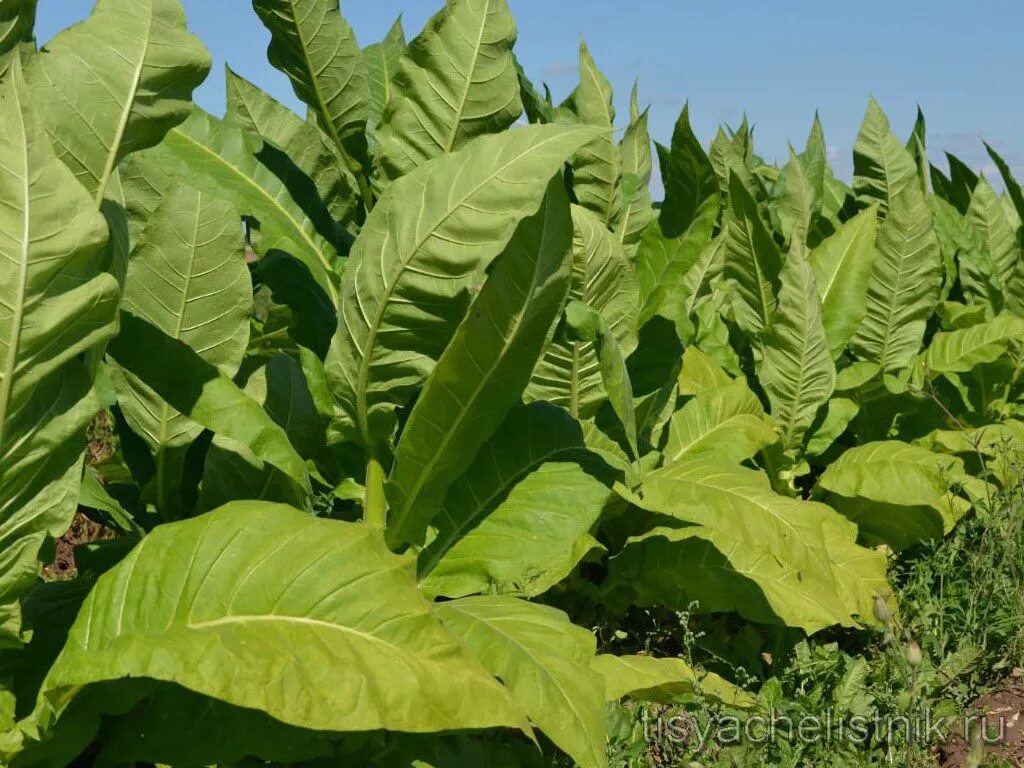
(374,502)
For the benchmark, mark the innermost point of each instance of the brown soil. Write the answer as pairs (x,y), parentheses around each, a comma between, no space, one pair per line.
(82,531)
(1004,721)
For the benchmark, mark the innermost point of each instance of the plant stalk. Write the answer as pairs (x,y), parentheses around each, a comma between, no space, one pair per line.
(374,502)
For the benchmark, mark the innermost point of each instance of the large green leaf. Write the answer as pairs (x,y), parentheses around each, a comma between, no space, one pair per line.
(455,81)
(569,374)
(987,216)
(426,242)
(796,369)
(545,661)
(727,421)
(223,159)
(17,20)
(688,176)
(893,472)
(56,303)
(961,350)
(226,605)
(516,517)
(904,285)
(115,84)
(233,472)
(771,557)
(882,166)
(304,144)
(313,44)
(752,260)
(842,269)
(188,278)
(484,369)
(205,394)
(381,60)
(596,168)
(896,493)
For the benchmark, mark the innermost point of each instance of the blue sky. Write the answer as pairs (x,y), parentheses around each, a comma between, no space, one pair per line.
(778,61)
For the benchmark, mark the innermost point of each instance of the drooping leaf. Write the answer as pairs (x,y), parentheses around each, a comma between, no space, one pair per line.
(586,324)
(457,80)
(206,395)
(842,266)
(187,278)
(882,167)
(597,166)
(893,472)
(796,370)
(315,47)
(515,515)
(688,176)
(404,256)
(115,84)
(726,421)
(303,143)
(664,680)
(961,350)
(56,303)
(226,161)
(904,285)
(233,472)
(381,61)
(752,260)
(545,662)
(484,369)
(221,605)
(839,412)
(569,374)
(771,557)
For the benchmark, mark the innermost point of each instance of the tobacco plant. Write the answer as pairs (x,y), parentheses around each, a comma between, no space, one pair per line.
(402,388)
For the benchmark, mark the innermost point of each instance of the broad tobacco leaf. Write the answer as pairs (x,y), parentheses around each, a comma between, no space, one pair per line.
(484,369)
(457,80)
(545,661)
(188,278)
(227,605)
(115,84)
(56,303)
(772,558)
(427,240)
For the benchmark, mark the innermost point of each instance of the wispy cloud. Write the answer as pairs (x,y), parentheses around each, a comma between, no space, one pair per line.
(561,69)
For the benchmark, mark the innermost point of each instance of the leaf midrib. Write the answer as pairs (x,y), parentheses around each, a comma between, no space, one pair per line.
(7,385)
(362,411)
(516,326)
